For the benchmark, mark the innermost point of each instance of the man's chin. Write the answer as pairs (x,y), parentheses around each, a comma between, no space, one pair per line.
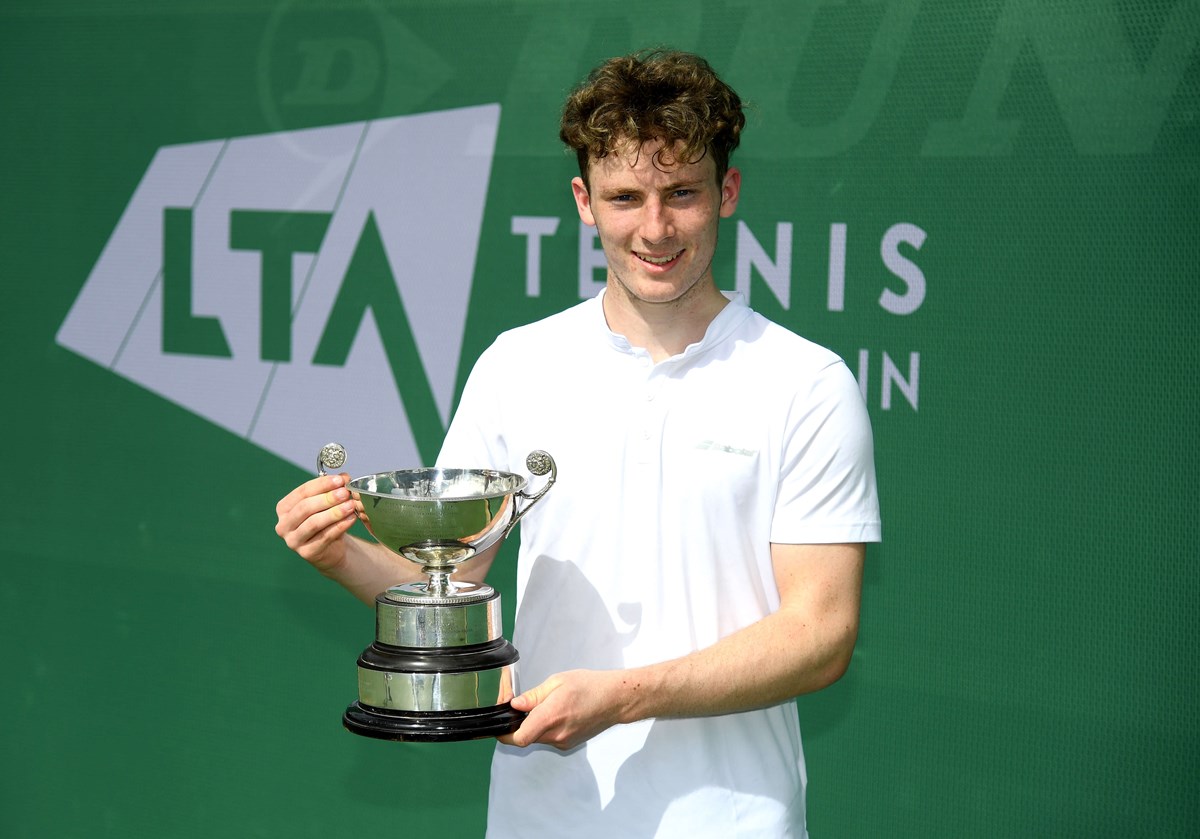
(653,292)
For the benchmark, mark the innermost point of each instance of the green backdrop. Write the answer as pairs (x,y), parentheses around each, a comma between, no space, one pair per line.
(989,208)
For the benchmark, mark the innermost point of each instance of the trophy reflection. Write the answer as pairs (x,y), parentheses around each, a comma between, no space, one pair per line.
(439,660)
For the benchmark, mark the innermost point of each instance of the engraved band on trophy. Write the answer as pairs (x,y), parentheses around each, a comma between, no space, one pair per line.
(439,660)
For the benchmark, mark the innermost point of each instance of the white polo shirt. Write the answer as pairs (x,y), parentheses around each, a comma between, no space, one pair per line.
(673,481)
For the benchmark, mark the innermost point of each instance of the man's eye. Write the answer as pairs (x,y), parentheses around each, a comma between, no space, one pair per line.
(684,193)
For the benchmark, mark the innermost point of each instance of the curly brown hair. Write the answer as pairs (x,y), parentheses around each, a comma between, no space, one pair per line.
(665,95)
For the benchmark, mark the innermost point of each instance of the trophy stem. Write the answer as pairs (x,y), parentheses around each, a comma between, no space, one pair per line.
(439,581)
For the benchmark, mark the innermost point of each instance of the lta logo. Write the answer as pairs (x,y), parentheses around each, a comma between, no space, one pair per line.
(303,285)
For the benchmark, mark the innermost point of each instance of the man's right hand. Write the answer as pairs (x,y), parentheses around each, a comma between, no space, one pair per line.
(314,517)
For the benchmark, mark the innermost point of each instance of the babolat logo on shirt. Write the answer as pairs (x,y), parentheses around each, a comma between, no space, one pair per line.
(300,285)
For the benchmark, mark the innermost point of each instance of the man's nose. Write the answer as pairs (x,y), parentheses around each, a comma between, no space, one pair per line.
(657,223)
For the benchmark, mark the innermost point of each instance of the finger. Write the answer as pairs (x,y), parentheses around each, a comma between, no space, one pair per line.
(505,694)
(323,537)
(314,523)
(527,734)
(322,529)
(313,497)
(533,697)
(533,727)
(309,489)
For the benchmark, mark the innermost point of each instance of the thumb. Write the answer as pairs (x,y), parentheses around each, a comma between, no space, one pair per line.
(533,697)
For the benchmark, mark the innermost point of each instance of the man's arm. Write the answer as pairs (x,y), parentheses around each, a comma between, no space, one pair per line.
(804,646)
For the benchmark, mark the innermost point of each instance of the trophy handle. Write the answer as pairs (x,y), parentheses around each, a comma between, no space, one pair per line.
(332,455)
(539,463)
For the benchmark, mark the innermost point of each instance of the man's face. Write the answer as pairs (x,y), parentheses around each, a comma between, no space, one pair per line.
(657,223)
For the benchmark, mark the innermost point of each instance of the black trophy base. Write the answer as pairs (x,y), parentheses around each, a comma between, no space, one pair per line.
(431,726)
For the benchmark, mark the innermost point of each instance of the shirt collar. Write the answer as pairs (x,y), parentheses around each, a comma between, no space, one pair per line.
(726,321)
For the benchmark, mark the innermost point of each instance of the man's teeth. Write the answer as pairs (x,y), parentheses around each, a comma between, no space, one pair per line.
(658,260)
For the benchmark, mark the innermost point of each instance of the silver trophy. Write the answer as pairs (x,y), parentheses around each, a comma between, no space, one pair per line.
(436,668)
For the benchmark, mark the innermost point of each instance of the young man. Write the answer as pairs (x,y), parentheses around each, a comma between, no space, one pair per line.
(699,561)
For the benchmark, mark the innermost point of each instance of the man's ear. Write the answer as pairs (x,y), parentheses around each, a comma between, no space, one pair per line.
(583,201)
(731,188)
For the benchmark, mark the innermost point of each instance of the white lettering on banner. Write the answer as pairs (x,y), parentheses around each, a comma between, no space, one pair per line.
(776,273)
(534,227)
(591,260)
(239,280)
(903,268)
(890,378)
(836,298)
(749,256)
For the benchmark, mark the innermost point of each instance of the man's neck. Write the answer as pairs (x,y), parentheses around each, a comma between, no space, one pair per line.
(662,329)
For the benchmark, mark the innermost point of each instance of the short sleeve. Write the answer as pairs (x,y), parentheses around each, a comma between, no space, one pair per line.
(827,490)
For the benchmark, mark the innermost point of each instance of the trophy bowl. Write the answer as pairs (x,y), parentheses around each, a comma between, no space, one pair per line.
(435,513)
(439,663)
(438,518)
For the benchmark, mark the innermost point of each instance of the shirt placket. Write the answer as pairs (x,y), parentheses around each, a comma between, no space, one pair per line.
(647,426)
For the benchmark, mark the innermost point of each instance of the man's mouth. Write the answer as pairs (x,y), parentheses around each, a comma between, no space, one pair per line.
(658,260)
